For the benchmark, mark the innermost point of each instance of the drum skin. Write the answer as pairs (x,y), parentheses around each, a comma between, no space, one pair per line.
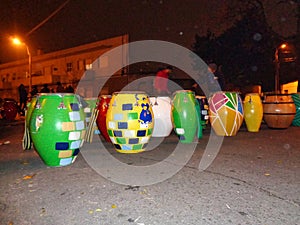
(161,107)
(57,128)
(184,115)
(253,111)
(129,121)
(279,110)
(226,113)
(101,119)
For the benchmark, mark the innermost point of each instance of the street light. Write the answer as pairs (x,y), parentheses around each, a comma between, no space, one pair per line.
(17,41)
(284,53)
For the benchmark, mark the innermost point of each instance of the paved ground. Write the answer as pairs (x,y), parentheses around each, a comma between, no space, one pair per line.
(255,179)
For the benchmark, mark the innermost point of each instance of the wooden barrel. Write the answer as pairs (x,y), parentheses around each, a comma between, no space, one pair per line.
(279,110)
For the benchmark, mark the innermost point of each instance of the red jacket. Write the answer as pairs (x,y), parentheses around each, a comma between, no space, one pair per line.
(161,80)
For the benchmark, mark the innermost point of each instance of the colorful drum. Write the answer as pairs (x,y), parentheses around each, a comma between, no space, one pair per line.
(57,128)
(161,107)
(101,118)
(10,109)
(184,115)
(204,110)
(253,111)
(226,113)
(279,110)
(129,121)
(296,98)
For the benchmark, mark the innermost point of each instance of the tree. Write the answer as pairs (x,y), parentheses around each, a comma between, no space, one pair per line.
(246,50)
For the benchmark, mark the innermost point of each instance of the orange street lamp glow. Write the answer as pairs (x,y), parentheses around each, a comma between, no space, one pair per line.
(283,46)
(17,41)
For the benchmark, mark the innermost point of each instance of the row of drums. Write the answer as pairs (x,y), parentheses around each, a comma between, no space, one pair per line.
(59,123)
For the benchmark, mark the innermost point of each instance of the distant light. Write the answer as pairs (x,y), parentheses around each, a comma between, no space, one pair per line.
(16,41)
(180,33)
(283,46)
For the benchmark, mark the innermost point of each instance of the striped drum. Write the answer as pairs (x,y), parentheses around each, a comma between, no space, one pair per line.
(129,121)
(279,110)
(226,113)
(296,98)
(57,128)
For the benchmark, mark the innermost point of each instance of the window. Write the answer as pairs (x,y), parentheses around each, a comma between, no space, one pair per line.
(69,67)
(88,64)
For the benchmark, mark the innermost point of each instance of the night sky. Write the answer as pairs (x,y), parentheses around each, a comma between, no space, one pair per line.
(84,21)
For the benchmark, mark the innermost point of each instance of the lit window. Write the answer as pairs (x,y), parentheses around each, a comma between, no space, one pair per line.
(88,64)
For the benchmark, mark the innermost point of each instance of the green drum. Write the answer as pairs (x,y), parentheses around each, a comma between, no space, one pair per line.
(57,128)
(184,115)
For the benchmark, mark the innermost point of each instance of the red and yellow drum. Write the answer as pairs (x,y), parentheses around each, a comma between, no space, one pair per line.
(226,113)
(101,118)
(129,121)
(253,111)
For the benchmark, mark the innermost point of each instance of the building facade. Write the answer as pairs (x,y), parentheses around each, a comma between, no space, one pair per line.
(67,66)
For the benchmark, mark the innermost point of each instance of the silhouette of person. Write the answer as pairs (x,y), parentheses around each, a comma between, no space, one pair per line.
(45,89)
(160,83)
(23,98)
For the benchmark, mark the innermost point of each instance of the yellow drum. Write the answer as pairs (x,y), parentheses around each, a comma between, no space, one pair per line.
(129,121)
(253,111)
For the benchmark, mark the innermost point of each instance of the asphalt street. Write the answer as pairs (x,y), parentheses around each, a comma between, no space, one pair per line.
(255,179)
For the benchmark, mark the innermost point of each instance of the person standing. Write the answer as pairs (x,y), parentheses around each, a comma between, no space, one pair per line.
(45,89)
(160,83)
(22,98)
(59,88)
(34,91)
